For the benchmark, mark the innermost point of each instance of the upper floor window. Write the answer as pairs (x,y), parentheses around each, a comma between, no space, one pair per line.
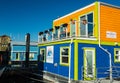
(116,55)
(73,28)
(49,36)
(63,30)
(40,36)
(86,25)
(56,35)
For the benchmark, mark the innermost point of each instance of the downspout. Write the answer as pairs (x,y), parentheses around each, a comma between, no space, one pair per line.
(105,50)
(69,81)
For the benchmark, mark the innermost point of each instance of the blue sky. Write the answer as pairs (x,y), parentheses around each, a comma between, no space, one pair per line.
(18,17)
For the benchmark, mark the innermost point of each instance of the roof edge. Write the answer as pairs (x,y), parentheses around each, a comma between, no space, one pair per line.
(74,11)
(101,3)
(110,5)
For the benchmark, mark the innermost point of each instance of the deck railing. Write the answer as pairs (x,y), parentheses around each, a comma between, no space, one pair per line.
(63,36)
(103,73)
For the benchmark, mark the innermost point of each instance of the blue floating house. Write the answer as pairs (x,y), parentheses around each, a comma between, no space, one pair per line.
(83,45)
(18,50)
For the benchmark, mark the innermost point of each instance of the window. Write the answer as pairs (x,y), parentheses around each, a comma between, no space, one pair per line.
(89,63)
(44,37)
(22,56)
(73,28)
(40,38)
(31,56)
(86,25)
(49,36)
(64,55)
(56,33)
(17,56)
(42,55)
(62,32)
(116,55)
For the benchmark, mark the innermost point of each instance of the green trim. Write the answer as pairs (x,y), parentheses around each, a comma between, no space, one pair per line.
(96,19)
(68,41)
(64,64)
(110,43)
(88,41)
(55,42)
(75,60)
(85,64)
(80,41)
(115,49)
(44,54)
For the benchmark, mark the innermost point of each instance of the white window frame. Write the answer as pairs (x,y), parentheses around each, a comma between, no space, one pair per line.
(75,28)
(86,35)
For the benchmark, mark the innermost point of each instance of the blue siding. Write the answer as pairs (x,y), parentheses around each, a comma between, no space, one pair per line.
(21,49)
(102,58)
(72,61)
(59,69)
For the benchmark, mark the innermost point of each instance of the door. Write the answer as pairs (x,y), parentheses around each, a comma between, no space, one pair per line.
(89,64)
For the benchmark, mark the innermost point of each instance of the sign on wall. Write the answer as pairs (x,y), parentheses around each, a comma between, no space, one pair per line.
(110,34)
(50,54)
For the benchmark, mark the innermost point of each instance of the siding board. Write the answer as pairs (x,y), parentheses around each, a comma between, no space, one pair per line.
(109,21)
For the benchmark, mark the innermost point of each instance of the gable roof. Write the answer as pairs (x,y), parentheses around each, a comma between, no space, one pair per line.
(101,3)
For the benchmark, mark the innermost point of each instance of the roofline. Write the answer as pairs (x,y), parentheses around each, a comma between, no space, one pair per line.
(75,11)
(101,3)
(23,43)
(110,5)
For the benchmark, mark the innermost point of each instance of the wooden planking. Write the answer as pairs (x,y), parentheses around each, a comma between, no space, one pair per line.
(109,21)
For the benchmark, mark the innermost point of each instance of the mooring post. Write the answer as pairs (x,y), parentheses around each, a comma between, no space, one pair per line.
(27,49)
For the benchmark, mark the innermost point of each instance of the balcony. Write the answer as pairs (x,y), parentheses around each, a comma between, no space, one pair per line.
(52,37)
(68,31)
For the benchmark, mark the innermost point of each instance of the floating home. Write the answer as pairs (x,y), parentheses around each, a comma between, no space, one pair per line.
(84,44)
(18,53)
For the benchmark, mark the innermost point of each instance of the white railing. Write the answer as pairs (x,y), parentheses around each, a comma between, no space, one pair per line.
(53,38)
(102,73)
